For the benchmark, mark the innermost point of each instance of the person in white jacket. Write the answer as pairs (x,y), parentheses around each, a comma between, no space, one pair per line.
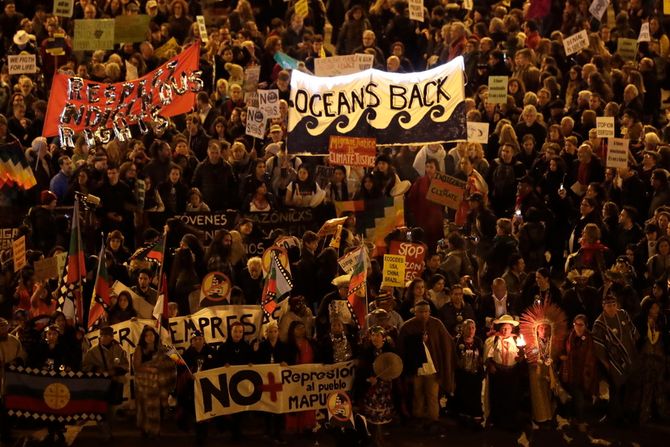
(304,192)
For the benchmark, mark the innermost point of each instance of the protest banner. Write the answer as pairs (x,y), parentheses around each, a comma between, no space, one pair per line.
(498,89)
(270,388)
(352,151)
(301,8)
(666,7)
(268,102)
(22,63)
(93,34)
(626,48)
(598,8)
(323,175)
(256,122)
(293,220)
(19,253)
(478,132)
(103,111)
(55,45)
(7,236)
(617,153)
(576,42)
(342,65)
(394,271)
(349,260)
(416,10)
(131,29)
(215,289)
(63,8)
(202,28)
(395,108)
(46,269)
(644,35)
(209,222)
(446,190)
(414,254)
(164,51)
(605,126)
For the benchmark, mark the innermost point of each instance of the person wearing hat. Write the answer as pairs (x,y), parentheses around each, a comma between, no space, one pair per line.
(333,303)
(297,311)
(23,42)
(614,339)
(427,351)
(502,356)
(384,314)
(580,297)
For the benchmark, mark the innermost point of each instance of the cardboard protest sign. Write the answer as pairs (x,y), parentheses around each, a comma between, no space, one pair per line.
(163,52)
(416,10)
(202,28)
(576,42)
(414,254)
(22,63)
(301,8)
(7,236)
(255,122)
(598,8)
(446,190)
(645,35)
(46,269)
(143,308)
(352,151)
(93,34)
(342,65)
(478,132)
(498,89)
(19,253)
(394,271)
(605,126)
(63,8)
(131,29)
(617,153)
(626,48)
(268,102)
(270,388)
(55,45)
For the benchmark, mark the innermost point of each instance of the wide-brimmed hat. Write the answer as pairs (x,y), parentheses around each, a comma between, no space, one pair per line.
(506,319)
(387,366)
(341,281)
(22,37)
(575,274)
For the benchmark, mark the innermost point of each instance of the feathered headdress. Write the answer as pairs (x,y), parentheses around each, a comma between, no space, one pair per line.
(543,314)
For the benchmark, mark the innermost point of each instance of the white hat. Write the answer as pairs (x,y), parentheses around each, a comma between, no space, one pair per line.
(22,37)
(506,319)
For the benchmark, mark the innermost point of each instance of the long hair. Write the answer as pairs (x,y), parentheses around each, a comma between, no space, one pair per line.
(143,344)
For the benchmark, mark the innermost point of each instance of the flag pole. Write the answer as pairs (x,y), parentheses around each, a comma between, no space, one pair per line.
(101,258)
(80,249)
(160,277)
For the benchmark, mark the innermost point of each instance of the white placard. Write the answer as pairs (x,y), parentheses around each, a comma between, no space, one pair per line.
(22,63)
(255,122)
(416,10)
(64,8)
(202,28)
(598,8)
(576,42)
(605,126)
(478,132)
(342,65)
(644,36)
(617,153)
(268,102)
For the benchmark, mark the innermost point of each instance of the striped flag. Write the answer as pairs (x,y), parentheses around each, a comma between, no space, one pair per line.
(356,299)
(152,252)
(376,218)
(100,300)
(71,282)
(14,168)
(278,284)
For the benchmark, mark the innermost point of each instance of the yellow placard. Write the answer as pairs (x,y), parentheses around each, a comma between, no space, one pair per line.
(394,271)
(301,8)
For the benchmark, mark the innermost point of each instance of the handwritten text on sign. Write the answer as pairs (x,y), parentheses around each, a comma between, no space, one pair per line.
(64,8)
(478,132)
(352,151)
(576,42)
(268,102)
(414,256)
(22,63)
(446,190)
(617,153)
(394,271)
(498,89)
(416,10)
(605,126)
(270,388)
(255,123)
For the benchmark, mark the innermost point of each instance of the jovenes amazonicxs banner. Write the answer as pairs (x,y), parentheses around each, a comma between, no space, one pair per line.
(394,108)
(272,388)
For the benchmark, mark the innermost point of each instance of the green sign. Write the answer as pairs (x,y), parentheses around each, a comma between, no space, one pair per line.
(131,29)
(93,34)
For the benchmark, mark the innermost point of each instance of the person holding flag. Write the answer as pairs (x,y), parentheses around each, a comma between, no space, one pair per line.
(71,282)
(101,300)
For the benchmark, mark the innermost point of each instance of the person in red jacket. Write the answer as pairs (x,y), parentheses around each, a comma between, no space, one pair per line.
(426,214)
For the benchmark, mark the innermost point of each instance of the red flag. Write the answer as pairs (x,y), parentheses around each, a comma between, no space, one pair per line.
(358,304)
(161,308)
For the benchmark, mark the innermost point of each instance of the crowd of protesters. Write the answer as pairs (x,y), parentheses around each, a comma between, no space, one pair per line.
(543,219)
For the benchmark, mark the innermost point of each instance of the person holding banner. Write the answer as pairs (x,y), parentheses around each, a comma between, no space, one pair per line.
(155,376)
(271,351)
(422,212)
(300,350)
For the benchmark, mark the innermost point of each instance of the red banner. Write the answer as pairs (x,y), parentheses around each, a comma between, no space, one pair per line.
(76,104)
(352,151)
(414,255)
